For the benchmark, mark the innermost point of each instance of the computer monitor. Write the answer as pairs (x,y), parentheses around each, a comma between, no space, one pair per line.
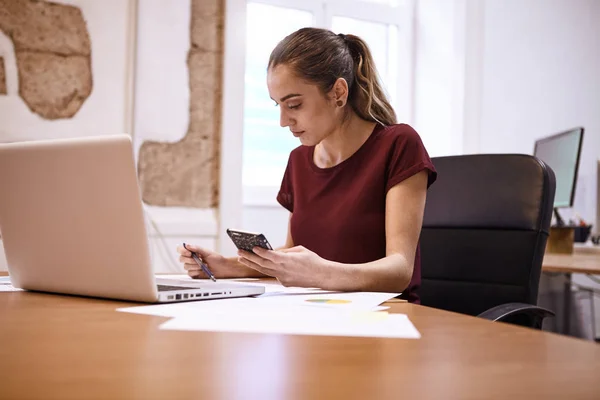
(561,152)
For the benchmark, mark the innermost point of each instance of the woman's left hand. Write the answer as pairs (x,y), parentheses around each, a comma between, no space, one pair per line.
(296,266)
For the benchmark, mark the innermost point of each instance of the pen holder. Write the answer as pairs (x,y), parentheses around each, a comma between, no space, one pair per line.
(561,240)
(582,233)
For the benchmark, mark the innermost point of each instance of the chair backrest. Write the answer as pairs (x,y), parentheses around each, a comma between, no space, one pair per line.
(485,227)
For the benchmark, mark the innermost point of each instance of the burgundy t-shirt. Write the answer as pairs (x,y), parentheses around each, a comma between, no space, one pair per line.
(339,212)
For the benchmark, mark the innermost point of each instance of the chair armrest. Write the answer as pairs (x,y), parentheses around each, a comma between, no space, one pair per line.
(518,313)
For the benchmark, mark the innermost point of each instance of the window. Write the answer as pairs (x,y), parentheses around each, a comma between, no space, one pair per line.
(384,24)
(383,43)
(266,144)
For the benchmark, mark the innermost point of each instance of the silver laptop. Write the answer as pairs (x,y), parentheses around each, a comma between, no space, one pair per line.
(72,222)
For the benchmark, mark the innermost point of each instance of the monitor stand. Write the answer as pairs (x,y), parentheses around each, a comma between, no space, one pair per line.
(559,221)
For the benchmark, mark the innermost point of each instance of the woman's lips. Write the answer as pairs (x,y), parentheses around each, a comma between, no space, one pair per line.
(297,133)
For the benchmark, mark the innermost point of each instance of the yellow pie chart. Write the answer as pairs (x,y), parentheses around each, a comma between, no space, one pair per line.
(329,301)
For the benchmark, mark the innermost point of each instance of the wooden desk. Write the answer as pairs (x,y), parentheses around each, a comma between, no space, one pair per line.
(60,347)
(584,260)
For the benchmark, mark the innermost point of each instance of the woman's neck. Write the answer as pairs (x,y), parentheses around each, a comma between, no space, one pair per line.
(343,142)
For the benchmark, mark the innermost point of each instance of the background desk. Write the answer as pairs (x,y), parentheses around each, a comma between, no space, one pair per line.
(60,347)
(584,260)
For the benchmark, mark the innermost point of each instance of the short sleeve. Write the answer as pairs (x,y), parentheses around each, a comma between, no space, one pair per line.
(285,197)
(408,157)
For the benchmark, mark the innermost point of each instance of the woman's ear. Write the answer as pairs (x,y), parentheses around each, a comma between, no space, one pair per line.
(339,92)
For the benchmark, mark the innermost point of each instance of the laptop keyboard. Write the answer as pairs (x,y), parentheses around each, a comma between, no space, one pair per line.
(168,288)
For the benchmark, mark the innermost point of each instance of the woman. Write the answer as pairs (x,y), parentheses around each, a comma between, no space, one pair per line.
(356,187)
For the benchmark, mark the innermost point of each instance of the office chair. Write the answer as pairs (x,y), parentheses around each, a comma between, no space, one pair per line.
(486,222)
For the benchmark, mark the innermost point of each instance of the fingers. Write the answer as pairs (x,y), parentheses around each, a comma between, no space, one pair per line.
(295,249)
(191,247)
(195,274)
(191,267)
(188,262)
(256,259)
(194,271)
(255,266)
(270,255)
(185,257)
(183,252)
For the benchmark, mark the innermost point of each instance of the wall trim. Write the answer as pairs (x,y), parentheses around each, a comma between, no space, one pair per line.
(232,126)
(474,23)
(182,221)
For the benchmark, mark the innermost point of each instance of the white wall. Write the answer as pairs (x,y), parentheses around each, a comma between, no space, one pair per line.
(495,75)
(162,91)
(270,220)
(540,74)
(541,64)
(3,264)
(105,111)
(162,113)
(439,75)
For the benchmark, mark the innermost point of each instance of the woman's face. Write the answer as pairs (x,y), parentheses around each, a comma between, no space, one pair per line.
(310,115)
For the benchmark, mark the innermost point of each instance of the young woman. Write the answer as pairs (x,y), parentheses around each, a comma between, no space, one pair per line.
(355,188)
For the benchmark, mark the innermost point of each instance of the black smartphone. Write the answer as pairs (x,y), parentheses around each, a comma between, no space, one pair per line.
(248,240)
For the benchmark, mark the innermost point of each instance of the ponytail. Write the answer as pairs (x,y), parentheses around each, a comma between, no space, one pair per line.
(367,96)
(321,57)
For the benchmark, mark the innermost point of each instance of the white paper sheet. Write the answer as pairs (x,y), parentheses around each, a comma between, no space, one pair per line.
(342,301)
(359,324)
(285,311)
(5,285)
(354,301)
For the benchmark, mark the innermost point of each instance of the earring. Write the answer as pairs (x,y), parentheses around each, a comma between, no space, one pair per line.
(339,103)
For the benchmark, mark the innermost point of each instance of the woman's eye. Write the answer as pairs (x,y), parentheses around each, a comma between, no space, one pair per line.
(293,106)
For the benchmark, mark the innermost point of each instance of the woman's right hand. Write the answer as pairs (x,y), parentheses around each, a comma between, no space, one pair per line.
(217,264)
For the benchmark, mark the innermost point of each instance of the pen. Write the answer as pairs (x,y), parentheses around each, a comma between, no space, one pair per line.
(201,264)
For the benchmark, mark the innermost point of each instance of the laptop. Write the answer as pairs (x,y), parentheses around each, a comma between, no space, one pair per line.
(72,222)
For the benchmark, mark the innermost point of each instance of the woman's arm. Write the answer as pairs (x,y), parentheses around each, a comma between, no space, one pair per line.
(297,266)
(289,242)
(404,208)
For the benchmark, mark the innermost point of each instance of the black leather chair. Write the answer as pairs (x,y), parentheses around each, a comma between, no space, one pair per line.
(485,227)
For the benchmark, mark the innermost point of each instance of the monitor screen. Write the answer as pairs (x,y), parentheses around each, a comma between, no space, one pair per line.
(561,153)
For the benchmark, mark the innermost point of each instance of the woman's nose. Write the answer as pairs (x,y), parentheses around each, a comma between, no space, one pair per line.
(283,119)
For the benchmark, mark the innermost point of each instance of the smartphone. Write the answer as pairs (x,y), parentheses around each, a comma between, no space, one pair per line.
(248,240)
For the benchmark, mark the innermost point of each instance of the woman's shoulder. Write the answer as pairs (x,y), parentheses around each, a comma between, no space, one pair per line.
(300,153)
(399,132)
(398,138)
